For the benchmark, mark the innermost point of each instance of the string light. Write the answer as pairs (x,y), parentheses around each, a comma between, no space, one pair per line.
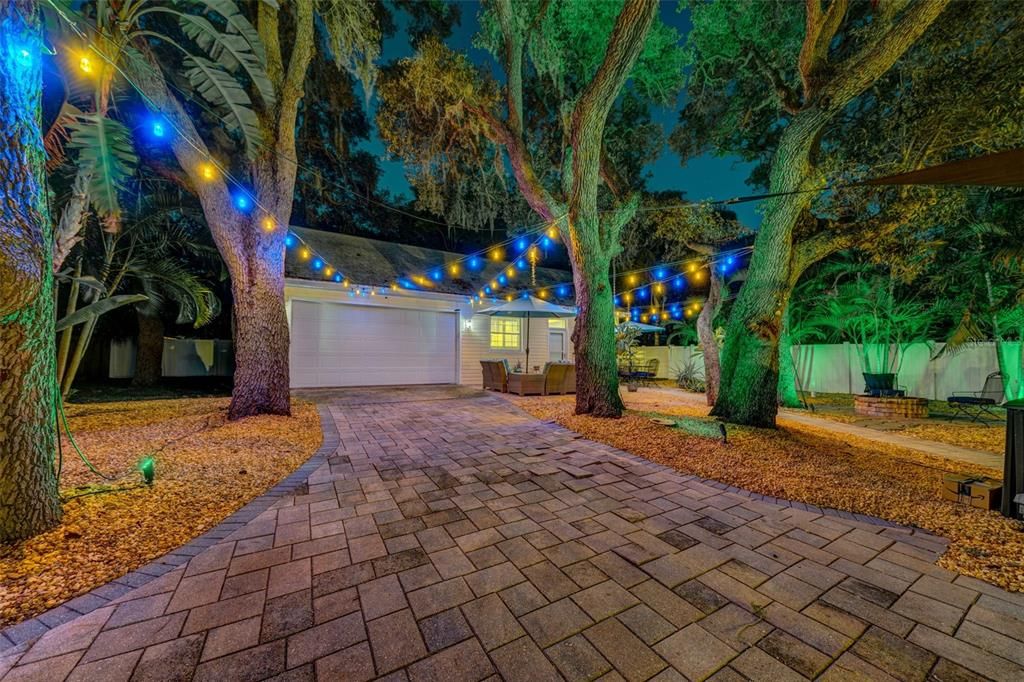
(269,225)
(304,253)
(85,64)
(207,170)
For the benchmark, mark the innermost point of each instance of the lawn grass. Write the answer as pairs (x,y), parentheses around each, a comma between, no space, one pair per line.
(206,468)
(812,465)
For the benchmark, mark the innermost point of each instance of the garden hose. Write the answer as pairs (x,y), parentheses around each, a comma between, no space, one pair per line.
(63,419)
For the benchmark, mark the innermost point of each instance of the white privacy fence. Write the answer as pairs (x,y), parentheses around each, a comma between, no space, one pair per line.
(835,368)
(182,358)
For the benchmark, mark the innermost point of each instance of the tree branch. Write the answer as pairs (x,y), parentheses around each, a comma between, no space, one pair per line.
(856,73)
(586,131)
(821,28)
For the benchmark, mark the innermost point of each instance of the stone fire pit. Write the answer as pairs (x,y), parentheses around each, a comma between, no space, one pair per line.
(890,406)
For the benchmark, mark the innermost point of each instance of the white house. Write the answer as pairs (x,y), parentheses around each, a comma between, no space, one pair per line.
(371,333)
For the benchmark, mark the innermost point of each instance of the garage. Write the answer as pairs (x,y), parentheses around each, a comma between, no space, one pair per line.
(340,344)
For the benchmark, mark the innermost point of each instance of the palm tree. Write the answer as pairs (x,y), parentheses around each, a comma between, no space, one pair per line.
(248,71)
(151,261)
(981,284)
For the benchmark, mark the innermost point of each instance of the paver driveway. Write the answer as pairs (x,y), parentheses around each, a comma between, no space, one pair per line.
(452,537)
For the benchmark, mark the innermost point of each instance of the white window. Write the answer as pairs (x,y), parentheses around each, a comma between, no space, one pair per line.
(556,324)
(505,333)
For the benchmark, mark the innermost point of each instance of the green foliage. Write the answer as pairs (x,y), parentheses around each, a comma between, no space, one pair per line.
(681,334)
(354,37)
(427,117)
(866,310)
(566,45)
(227,96)
(230,50)
(689,377)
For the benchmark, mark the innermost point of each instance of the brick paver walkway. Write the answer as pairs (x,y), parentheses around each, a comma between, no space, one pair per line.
(452,537)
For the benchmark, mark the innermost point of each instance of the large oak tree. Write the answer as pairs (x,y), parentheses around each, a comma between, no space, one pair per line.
(777,74)
(28,484)
(563,67)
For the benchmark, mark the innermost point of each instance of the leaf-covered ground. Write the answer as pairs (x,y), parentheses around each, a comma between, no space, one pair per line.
(814,466)
(206,468)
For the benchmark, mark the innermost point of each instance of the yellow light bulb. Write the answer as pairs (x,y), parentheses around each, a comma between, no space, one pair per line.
(631,279)
(658,288)
(542,294)
(494,285)
(508,297)
(328,271)
(454,269)
(85,64)
(690,267)
(698,276)
(628,298)
(268,224)
(511,272)
(643,318)
(345,283)
(208,171)
(496,254)
(304,253)
(552,232)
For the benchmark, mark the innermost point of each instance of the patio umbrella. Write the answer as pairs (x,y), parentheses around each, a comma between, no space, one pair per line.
(645,328)
(529,308)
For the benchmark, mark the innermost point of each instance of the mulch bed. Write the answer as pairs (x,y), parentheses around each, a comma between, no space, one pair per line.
(206,468)
(813,466)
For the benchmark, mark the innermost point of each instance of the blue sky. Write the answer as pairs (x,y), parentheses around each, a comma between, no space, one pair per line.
(704,177)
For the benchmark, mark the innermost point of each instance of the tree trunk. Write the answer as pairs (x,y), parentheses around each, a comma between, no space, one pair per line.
(150,352)
(29,502)
(261,335)
(597,375)
(706,334)
(750,359)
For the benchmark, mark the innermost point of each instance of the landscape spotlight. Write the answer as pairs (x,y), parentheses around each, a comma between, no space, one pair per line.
(147,467)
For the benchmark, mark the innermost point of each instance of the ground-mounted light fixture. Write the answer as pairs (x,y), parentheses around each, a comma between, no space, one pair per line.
(147,467)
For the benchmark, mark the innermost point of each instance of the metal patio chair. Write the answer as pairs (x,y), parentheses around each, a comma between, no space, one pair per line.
(975,404)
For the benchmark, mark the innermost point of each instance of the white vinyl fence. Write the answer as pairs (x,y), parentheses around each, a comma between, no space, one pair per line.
(182,358)
(835,368)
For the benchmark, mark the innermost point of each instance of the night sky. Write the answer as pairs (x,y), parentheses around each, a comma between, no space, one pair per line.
(706,177)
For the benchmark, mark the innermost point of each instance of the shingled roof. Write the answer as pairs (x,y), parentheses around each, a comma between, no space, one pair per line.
(371,262)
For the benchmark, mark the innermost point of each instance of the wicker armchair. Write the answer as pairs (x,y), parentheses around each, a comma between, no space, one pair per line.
(559,378)
(495,375)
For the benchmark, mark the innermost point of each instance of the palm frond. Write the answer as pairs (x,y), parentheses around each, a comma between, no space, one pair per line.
(219,88)
(104,147)
(233,51)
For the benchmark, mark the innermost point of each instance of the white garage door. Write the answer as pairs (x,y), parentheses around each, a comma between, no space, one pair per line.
(335,344)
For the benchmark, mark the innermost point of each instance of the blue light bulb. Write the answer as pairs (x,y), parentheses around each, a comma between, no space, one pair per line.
(474,262)
(502,279)
(317,263)
(563,291)
(436,275)
(521,264)
(521,244)
(659,274)
(158,129)
(526,294)
(337,277)
(242,202)
(289,241)
(23,56)
(730,260)
(487,289)
(545,242)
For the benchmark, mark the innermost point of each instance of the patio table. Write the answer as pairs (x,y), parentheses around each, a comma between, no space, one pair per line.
(526,384)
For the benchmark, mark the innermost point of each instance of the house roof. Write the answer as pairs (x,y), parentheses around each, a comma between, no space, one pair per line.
(371,262)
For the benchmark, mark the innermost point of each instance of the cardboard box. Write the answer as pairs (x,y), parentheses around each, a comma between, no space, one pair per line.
(977,491)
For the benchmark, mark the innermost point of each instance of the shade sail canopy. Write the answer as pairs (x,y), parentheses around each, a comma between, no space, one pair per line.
(1002,169)
(529,307)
